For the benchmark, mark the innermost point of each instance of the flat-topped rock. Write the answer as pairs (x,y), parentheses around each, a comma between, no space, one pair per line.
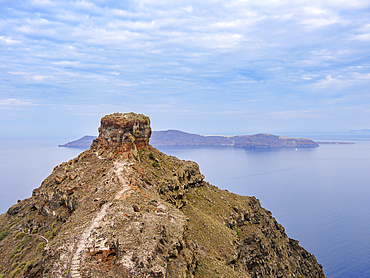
(125,132)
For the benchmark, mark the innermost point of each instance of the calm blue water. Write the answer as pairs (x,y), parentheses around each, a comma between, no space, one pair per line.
(25,163)
(321,196)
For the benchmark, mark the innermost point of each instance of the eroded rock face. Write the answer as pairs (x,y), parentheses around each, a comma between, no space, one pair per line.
(124,131)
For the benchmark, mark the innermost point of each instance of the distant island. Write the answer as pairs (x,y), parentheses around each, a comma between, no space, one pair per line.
(335,143)
(83,142)
(360,131)
(256,141)
(180,138)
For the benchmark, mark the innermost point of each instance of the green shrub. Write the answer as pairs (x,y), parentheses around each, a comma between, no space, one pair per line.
(14,265)
(3,234)
(48,235)
(55,231)
(155,164)
(17,219)
(28,264)
(40,246)
(19,235)
(2,275)
(15,257)
(15,272)
(27,239)
(151,156)
(17,250)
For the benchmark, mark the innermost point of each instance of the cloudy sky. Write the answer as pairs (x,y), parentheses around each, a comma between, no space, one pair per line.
(208,67)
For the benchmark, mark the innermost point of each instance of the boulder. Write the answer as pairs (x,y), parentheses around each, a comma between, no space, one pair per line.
(60,177)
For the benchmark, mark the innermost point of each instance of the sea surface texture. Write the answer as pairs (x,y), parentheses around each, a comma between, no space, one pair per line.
(321,195)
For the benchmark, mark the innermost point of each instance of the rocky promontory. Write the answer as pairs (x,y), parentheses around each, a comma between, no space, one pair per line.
(125,209)
(83,142)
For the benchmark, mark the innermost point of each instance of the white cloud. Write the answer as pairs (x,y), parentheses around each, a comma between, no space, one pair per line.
(141,25)
(362,76)
(189,49)
(8,40)
(67,63)
(38,78)
(8,103)
(363,37)
(320,22)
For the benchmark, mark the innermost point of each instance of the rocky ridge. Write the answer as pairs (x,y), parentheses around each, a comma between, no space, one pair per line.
(124,209)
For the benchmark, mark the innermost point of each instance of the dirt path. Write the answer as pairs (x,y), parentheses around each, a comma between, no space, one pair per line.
(83,241)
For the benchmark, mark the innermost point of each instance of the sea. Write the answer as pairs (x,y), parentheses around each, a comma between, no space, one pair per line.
(320,195)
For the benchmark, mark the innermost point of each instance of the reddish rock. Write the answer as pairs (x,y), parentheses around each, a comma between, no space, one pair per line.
(124,132)
(71,190)
(110,156)
(136,208)
(60,177)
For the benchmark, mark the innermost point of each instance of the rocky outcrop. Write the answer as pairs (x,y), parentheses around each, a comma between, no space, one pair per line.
(125,131)
(136,212)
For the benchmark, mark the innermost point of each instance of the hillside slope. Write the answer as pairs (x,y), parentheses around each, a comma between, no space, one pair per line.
(124,209)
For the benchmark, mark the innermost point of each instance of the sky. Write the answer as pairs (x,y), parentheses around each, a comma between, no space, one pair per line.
(208,67)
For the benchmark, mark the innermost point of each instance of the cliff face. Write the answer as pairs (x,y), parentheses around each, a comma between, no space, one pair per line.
(125,132)
(124,209)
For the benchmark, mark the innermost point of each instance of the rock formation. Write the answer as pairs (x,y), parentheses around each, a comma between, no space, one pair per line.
(124,209)
(125,132)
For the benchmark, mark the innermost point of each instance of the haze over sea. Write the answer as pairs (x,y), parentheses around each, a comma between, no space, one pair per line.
(321,195)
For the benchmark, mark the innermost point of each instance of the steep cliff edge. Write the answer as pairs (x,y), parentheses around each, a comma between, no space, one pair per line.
(124,209)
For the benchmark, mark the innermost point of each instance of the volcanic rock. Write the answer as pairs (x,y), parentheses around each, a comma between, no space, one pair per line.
(142,213)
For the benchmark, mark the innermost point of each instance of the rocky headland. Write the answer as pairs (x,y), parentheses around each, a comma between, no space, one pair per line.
(83,142)
(124,209)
